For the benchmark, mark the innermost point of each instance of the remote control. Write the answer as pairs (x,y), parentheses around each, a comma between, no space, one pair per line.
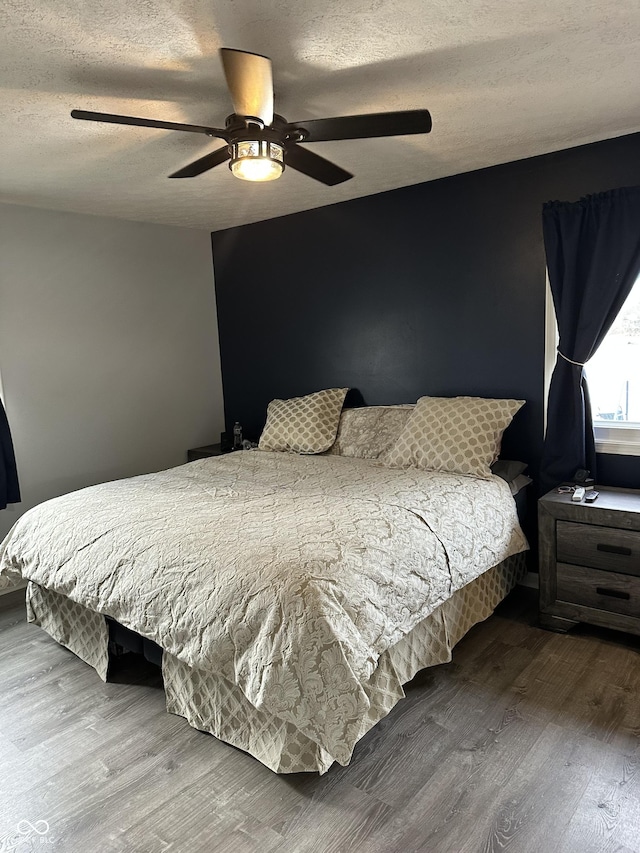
(578,494)
(591,496)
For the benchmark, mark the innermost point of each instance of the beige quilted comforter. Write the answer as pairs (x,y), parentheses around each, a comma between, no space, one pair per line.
(287,575)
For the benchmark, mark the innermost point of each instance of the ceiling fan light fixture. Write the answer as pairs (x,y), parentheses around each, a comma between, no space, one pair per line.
(256,137)
(257,160)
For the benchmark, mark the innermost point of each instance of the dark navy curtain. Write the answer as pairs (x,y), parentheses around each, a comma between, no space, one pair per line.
(593,258)
(9,487)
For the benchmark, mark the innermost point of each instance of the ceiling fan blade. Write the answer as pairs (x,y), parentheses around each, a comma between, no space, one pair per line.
(149,122)
(203,164)
(250,82)
(315,166)
(364,126)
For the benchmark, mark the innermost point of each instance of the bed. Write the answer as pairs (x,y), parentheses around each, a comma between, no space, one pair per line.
(292,595)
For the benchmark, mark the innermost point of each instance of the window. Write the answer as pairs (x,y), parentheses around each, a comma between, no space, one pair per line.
(614,382)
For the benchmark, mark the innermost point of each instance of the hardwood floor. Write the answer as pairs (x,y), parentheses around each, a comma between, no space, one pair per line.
(527,742)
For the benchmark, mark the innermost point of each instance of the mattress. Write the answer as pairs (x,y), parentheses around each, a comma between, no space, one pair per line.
(214,704)
(287,578)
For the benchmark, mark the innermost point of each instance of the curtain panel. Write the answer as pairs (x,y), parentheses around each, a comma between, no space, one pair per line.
(9,486)
(593,259)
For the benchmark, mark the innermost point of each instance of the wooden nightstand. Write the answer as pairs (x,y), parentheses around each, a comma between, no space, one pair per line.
(204,452)
(590,560)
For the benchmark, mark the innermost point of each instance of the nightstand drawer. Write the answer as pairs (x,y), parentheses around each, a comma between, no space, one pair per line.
(609,591)
(608,548)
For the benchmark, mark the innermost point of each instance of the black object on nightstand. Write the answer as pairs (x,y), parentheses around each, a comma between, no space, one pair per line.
(204,452)
(590,560)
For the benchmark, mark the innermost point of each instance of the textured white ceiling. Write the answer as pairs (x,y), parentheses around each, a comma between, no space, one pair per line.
(503,79)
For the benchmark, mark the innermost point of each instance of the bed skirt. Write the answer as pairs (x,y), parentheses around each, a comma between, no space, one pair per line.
(213,704)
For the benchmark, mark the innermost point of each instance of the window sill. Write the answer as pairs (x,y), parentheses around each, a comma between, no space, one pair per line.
(621,448)
(621,440)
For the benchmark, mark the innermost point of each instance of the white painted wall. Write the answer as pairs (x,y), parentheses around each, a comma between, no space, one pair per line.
(108,348)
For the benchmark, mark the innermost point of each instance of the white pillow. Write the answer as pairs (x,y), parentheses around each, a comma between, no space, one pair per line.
(367,432)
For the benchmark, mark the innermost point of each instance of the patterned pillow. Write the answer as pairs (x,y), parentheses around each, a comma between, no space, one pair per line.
(460,435)
(367,432)
(303,424)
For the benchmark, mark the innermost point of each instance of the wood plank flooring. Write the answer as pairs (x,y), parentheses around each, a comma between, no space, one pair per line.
(528,742)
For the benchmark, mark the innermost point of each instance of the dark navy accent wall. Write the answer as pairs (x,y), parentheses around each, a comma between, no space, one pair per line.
(433,289)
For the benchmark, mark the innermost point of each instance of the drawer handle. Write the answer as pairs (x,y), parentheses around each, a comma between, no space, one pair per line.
(614,593)
(614,549)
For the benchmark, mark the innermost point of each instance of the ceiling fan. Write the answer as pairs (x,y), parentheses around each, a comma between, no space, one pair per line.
(259,142)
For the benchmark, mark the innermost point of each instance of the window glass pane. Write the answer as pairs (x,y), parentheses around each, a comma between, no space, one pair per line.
(614,371)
